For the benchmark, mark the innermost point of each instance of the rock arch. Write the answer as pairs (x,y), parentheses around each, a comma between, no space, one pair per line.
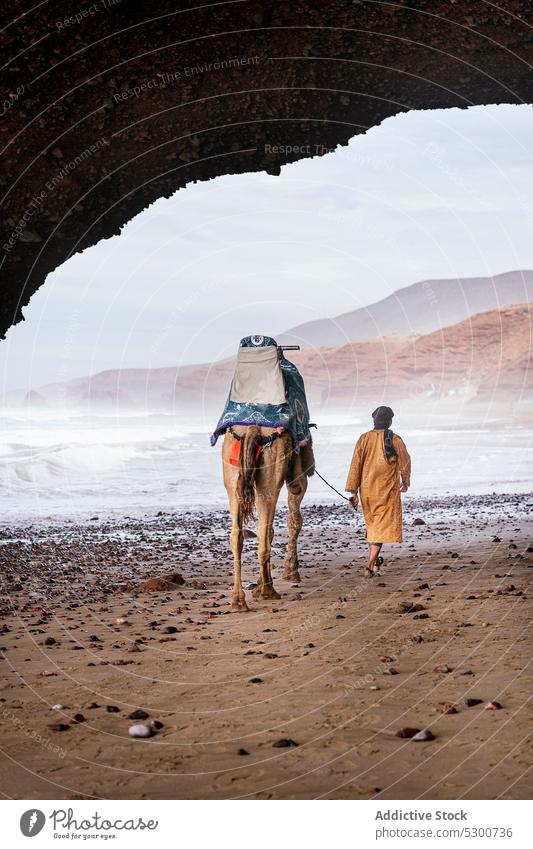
(109,106)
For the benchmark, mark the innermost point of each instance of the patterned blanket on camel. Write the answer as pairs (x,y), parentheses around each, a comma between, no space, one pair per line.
(266,390)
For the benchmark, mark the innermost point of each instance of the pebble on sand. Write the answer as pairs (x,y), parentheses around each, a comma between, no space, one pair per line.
(442,667)
(409,607)
(422,736)
(59,726)
(162,583)
(285,743)
(140,730)
(448,708)
(472,702)
(243,752)
(138,714)
(492,706)
(407,732)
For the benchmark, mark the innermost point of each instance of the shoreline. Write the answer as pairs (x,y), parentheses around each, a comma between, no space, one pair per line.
(324,501)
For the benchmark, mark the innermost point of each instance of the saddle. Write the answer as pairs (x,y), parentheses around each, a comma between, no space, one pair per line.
(267,390)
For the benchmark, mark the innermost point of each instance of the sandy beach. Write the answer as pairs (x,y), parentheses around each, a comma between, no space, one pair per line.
(300,698)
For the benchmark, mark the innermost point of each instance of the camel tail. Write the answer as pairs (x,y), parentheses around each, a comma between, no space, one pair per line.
(251,441)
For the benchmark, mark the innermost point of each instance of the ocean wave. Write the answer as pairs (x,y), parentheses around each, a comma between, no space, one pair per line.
(27,464)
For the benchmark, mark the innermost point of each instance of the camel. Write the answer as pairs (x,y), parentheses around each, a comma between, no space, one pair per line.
(256,482)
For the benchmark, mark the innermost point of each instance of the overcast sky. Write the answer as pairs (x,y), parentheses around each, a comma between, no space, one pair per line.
(443,193)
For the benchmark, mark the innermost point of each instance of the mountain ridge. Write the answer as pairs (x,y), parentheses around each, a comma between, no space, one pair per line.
(419,308)
(486,355)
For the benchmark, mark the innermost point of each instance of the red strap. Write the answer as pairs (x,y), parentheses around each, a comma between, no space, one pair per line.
(258,452)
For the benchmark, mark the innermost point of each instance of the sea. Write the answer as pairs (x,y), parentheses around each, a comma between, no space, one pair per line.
(73,464)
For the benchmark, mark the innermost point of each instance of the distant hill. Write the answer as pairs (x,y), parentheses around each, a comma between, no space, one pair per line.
(417,309)
(490,354)
(485,357)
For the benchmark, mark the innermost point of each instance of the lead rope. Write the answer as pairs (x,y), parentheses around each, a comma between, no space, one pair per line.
(346,498)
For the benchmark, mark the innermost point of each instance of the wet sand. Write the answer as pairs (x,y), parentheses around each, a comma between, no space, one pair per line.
(333,666)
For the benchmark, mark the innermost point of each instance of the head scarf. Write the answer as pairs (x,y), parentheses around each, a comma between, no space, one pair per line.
(382,421)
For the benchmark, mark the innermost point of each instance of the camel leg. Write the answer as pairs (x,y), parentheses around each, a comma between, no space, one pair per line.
(294,524)
(238,598)
(266,509)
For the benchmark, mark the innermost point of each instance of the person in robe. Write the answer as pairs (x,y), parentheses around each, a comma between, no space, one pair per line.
(380,470)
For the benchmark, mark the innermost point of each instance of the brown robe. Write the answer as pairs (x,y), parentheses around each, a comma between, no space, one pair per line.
(378,482)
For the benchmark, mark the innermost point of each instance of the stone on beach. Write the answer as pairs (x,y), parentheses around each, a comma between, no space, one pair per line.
(140,730)
(77,718)
(422,736)
(408,607)
(162,583)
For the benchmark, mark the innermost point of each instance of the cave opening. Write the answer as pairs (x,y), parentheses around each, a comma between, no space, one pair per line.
(382,259)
